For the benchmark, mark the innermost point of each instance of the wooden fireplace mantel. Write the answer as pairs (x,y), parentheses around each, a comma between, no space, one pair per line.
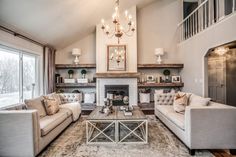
(117,75)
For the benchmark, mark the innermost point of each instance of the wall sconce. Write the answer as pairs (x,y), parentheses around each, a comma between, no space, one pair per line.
(77,53)
(159,52)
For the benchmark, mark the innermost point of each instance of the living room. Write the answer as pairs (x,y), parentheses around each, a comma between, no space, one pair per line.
(118,78)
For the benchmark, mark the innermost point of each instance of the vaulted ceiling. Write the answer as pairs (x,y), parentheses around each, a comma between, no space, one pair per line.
(59,22)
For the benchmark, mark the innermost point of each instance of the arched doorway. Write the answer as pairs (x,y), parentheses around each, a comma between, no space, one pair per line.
(220,73)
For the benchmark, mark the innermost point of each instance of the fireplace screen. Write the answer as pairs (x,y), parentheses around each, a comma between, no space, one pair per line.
(116,93)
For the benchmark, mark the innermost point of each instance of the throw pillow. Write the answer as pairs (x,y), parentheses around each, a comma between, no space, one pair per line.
(89,97)
(180,102)
(54,96)
(51,106)
(159,91)
(196,100)
(187,94)
(37,104)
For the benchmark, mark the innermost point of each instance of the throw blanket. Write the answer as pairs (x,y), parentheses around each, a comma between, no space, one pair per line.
(74,107)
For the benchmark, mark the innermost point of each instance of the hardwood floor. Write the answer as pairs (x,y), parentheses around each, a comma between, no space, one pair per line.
(222,153)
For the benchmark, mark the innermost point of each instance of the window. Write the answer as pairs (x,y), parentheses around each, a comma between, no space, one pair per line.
(18,76)
(228,7)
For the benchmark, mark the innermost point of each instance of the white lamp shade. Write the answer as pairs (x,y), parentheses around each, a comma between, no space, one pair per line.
(159,51)
(76,52)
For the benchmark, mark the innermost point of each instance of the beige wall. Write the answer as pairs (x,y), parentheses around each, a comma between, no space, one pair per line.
(193,50)
(88,47)
(157,27)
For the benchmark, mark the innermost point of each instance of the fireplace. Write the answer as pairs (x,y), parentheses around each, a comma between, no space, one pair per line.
(116,93)
(129,83)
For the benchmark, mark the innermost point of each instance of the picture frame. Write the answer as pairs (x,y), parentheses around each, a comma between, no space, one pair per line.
(175,79)
(150,79)
(116,57)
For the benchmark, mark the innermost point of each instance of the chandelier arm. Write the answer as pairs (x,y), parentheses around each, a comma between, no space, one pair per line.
(128,30)
(129,35)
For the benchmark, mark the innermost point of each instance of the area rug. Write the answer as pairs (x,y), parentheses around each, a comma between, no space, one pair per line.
(162,143)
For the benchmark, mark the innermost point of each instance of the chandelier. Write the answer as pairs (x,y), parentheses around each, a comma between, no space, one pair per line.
(119,30)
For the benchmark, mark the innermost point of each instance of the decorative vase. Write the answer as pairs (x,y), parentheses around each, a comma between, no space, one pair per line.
(70,76)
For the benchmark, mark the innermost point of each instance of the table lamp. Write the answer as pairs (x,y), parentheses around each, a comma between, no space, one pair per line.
(77,53)
(159,52)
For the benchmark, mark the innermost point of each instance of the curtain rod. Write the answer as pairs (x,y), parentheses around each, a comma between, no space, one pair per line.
(20,35)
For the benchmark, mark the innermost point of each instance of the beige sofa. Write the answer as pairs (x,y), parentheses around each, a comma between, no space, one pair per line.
(26,132)
(200,127)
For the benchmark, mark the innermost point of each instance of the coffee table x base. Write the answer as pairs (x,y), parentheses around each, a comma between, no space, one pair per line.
(127,131)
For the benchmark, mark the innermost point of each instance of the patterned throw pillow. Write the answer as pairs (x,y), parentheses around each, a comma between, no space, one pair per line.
(51,106)
(54,96)
(180,102)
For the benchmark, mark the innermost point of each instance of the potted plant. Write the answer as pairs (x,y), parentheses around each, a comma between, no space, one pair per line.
(70,72)
(166,73)
(144,95)
(83,72)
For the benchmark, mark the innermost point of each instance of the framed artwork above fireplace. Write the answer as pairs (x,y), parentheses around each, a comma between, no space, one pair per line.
(116,57)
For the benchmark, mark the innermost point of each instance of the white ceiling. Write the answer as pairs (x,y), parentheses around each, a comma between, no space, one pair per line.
(59,22)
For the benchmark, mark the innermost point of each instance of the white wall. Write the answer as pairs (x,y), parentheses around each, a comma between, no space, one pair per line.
(157,27)
(88,47)
(9,40)
(193,50)
(131,46)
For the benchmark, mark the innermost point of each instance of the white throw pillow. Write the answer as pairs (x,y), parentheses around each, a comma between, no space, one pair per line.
(159,91)
(196,100)
(144,97)
(89,97)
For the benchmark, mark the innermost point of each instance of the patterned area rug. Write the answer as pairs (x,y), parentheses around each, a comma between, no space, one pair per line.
(162,143)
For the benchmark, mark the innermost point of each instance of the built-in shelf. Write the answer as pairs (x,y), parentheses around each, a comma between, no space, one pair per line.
(161,85)
(74,66)
(76,85)
(117,75)
(151,66)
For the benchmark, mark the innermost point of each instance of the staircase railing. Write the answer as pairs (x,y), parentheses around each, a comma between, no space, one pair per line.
(205,15)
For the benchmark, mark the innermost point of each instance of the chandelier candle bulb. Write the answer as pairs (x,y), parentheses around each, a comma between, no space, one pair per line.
(126,13)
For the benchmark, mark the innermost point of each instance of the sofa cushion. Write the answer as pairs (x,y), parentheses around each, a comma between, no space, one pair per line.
(48,123)
(196,100)
(169,112)
(51,106)
(37,104)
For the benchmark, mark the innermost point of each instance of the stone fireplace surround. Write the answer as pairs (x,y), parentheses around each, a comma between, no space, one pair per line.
(131,82)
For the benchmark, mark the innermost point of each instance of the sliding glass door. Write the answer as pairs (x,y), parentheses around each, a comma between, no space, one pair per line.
(29,76)
(18,76)
(9,77)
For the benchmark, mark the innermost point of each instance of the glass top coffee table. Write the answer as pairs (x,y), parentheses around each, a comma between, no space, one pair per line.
(116,127)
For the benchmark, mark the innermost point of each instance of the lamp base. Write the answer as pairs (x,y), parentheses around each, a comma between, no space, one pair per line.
(76,61)
(159,60)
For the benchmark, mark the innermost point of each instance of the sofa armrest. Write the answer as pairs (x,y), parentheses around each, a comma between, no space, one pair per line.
(210,127)
(19,132)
